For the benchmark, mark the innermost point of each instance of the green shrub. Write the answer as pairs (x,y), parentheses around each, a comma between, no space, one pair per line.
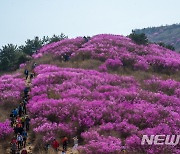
(139,38)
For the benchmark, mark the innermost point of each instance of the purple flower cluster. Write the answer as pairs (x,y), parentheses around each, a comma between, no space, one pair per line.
(11,87)
(118,51)
(96,143)
(169,87)
(5,129)
(22,65)
(61,47)
(108,111)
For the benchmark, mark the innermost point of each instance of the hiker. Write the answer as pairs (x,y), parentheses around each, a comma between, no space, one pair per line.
(12,121)
(123,148)
(65,142)
(34,65)
(75,143)
(13,140)
(14,124)
(14,112)
(27,120)
(24,103)
(11,115)
(47,146)
(18,151)
(20,128)
(26,72)
(23,121)
(26,90)
(85,39)
(13,145)
(13,148)
(26,98)
(17,111)
(24,135)
(24,151)
(15,128)
(55,144)
(20,110)
(31,76)
(18,119)
(66,57)
(19,140)
(63,152)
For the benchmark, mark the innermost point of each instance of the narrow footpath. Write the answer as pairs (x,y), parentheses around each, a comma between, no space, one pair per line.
(20,122)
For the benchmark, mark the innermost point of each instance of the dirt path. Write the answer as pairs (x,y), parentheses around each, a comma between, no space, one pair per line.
(29,146)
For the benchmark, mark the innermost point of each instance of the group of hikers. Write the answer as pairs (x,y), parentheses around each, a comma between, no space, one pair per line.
(20,121)
(55,144)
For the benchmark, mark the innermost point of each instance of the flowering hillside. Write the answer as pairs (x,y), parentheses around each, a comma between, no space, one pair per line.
(116,51)
(105,111)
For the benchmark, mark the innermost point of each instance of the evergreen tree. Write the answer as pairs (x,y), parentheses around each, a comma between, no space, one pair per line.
(32,46)
(56,38)
(8,57)
(167,46)
(139,38)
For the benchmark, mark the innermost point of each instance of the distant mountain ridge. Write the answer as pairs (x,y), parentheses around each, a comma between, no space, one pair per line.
(169,34)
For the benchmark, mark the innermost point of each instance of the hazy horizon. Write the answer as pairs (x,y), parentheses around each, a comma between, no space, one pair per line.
(22,20)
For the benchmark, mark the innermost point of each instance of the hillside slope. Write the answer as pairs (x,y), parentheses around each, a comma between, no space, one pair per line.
(168,34)
(107,91)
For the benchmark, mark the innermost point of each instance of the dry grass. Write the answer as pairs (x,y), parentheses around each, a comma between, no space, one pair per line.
(86,63)
(5,145)
(144,75)
(4,114)
(6,108)
(52,94)
(50,59)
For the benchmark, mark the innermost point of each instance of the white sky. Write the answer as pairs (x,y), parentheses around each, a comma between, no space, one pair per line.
(23,19)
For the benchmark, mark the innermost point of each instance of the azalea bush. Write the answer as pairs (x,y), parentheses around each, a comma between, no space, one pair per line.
(11,87)
(96,144)
(105,111)
(59,48)
(5,129)
(169,87)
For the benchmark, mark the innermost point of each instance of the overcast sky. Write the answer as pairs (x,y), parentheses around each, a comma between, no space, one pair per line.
(23,19)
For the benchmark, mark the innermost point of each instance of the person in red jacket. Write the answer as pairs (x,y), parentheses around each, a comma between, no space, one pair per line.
(13,145)
(24,151)
(55,144)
